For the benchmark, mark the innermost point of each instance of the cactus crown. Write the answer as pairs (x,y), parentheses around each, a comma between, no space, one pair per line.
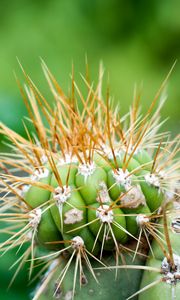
(89,185)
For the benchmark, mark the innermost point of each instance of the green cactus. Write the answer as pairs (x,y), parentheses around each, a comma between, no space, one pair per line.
(91,195)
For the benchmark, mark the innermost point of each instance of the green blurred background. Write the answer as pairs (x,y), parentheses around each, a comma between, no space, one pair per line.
(138,42)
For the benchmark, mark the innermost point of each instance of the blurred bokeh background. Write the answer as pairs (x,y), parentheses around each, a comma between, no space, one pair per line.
(138,42)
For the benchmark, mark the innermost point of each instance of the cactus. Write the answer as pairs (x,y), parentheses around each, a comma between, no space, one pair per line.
(93,196)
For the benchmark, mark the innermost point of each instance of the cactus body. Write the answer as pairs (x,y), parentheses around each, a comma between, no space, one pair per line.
(95,197)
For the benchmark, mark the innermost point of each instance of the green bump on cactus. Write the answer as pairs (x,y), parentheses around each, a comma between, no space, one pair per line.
(144,158)
(132,220)
(48,232)
(65,171)
(151,189)
(103,219)
(35,196)
(87,179)
(91,196)
(68,209)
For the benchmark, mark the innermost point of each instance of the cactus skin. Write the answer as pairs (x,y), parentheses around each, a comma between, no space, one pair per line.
(92,197)
(117,287)
(48,232)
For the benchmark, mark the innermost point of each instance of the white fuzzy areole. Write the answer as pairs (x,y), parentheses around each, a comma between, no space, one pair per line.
(105,214)
(171,276)
(142,219)
(39,174)
(133,198)
(35,217)
(73,216)
(122,178)
(61,195)
(154,179)
(86,169)
(77,242)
